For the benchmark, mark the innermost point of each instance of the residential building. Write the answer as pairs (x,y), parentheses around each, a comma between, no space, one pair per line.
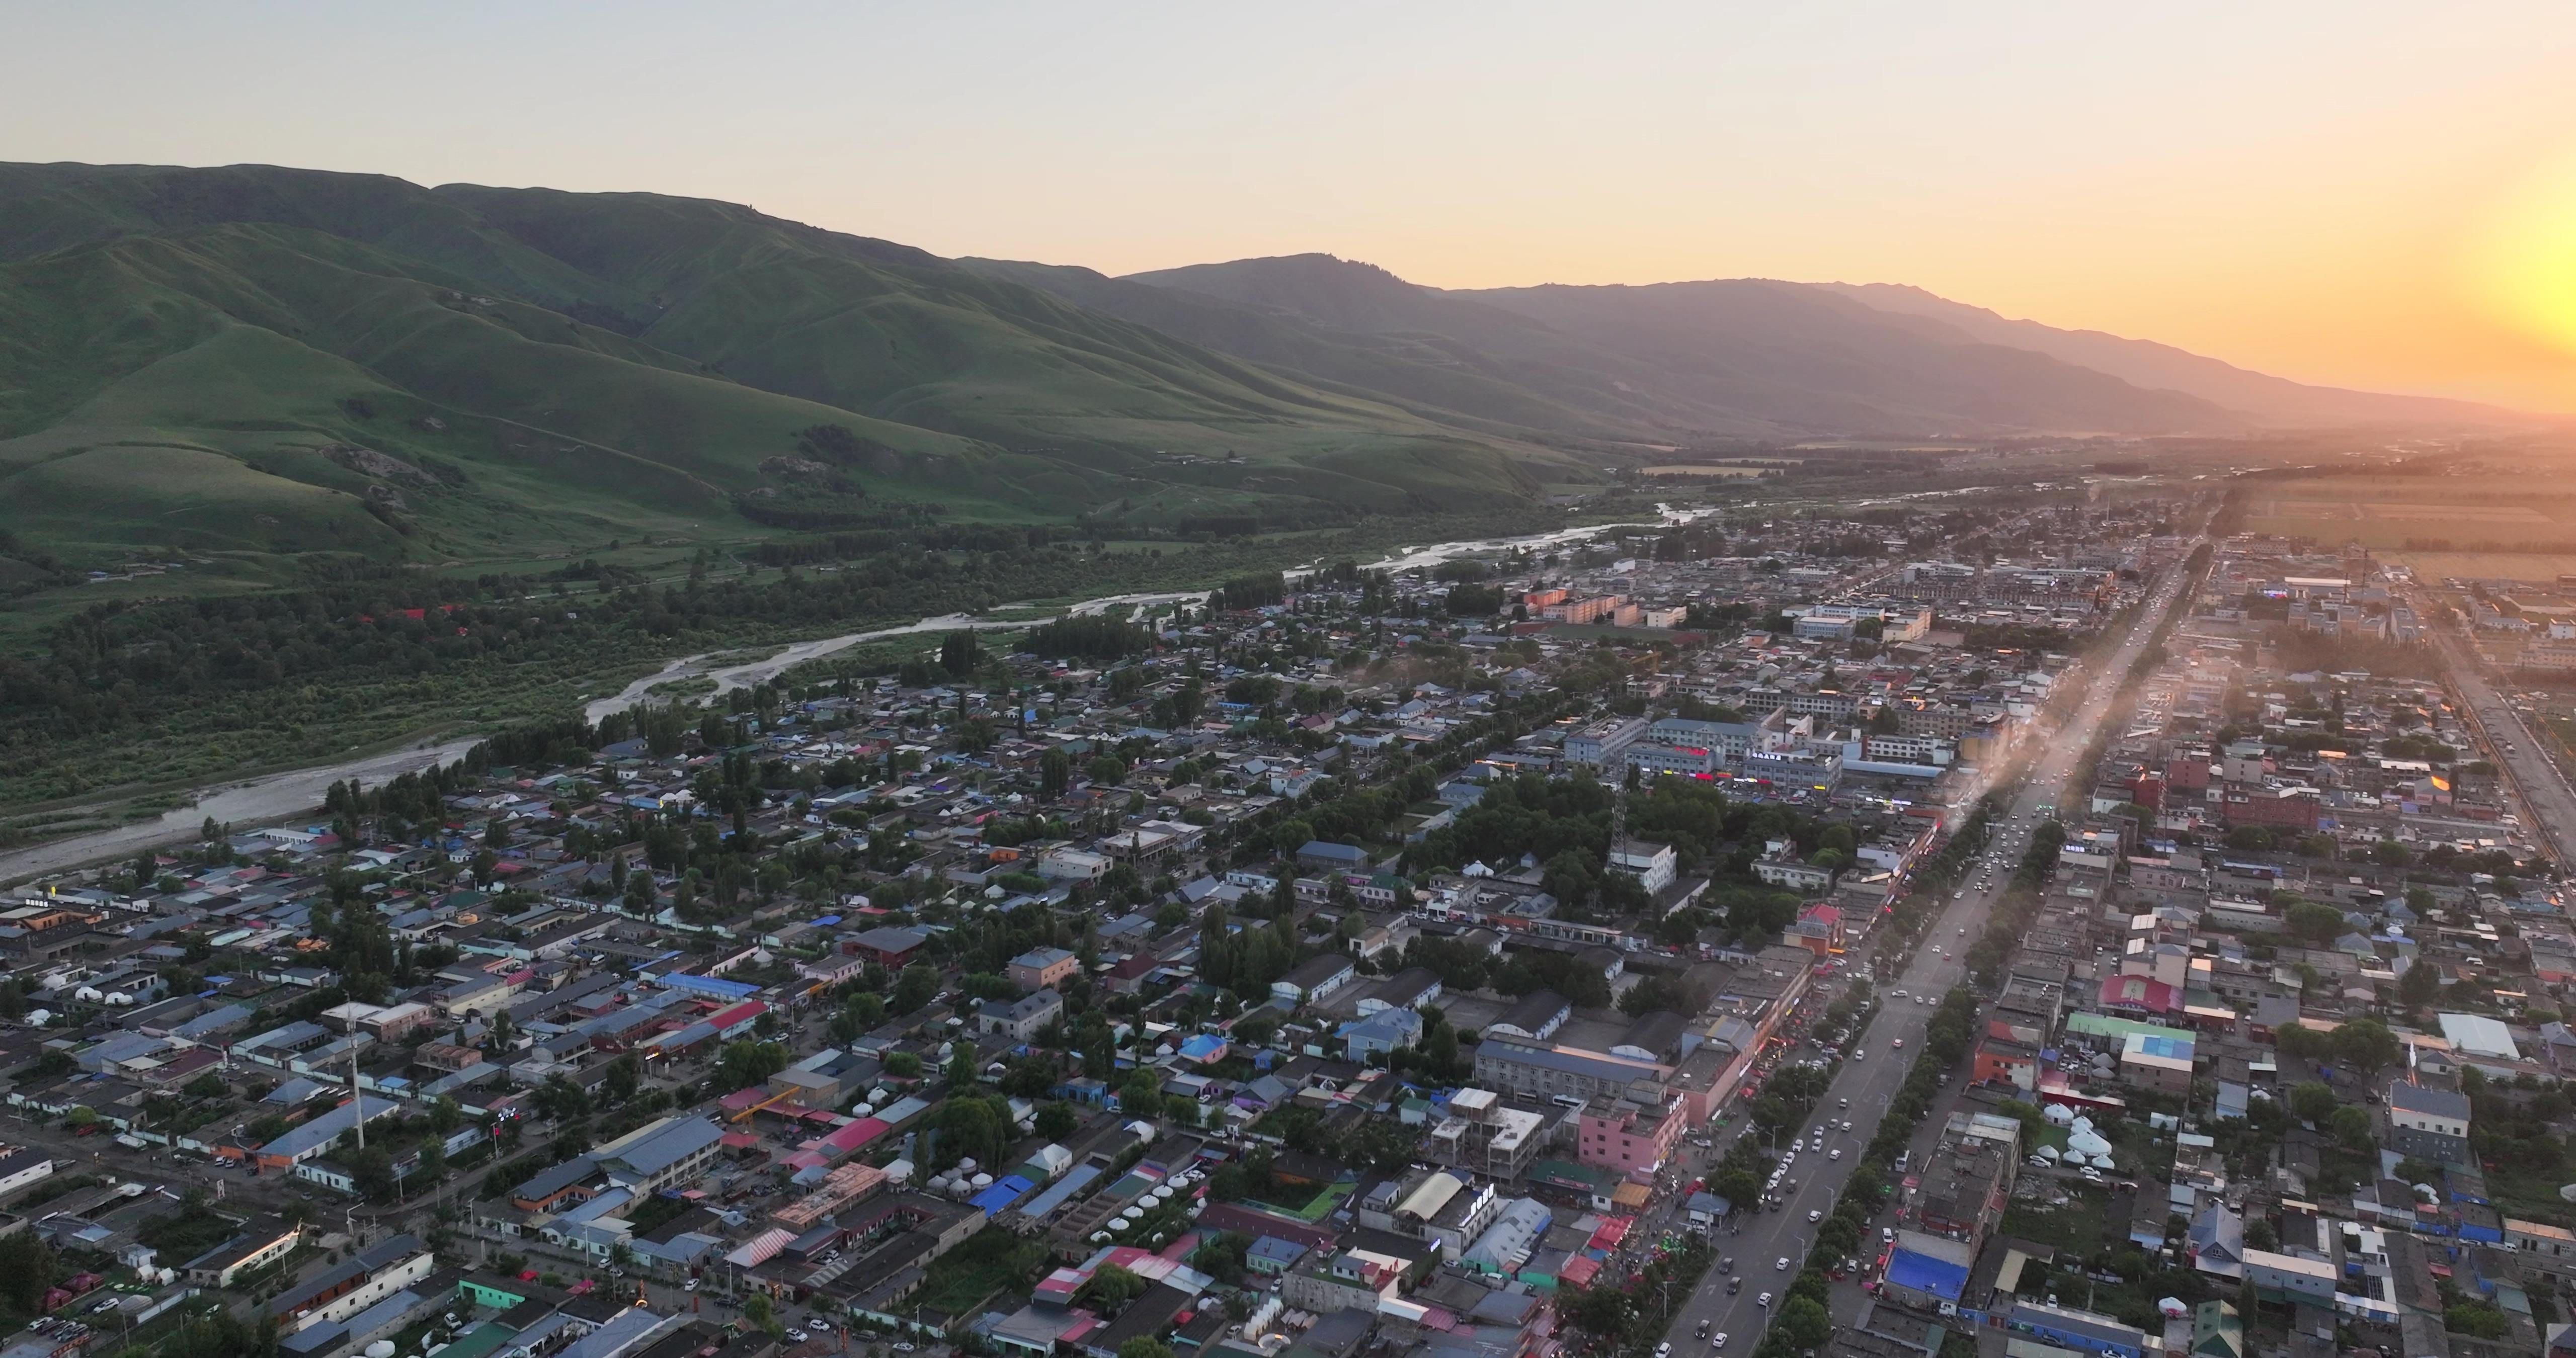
(2428,1123)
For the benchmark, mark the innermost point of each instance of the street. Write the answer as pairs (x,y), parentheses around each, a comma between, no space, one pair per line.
(1870,1079)
(2519,750)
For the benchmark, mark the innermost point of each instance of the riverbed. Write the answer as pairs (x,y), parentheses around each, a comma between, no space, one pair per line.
(296,794)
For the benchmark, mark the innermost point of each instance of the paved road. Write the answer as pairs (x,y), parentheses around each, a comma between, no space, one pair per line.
(2546,799)
(1867,1083)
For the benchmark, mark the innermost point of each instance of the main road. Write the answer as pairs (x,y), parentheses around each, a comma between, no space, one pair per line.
(2521,751)
(1769,1247)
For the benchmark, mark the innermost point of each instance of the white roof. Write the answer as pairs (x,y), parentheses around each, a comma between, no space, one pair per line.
(2479,1035)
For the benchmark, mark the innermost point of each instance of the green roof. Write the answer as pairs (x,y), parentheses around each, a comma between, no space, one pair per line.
(2105,1025)
(480,1342)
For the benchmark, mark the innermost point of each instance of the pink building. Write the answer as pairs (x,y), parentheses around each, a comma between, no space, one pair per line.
(1633,1139)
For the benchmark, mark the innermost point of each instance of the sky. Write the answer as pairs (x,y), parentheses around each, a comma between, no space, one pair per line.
(2368,194)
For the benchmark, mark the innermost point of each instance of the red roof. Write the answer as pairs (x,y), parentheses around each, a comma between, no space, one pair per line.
(744,1012)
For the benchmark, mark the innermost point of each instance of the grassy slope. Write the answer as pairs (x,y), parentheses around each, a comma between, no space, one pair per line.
(586,367)
(1402,370)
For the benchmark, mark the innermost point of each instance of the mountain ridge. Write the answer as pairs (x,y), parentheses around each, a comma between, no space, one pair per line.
(267,366)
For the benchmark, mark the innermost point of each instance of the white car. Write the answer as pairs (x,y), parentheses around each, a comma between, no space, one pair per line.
(1764,1300)
(796,1336)
(1814,1215)
(1835,1154)
(1717,1340)
(1780,1265)
(1897,1044)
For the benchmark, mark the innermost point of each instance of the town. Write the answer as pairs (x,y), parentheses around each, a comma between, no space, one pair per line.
(2063,926)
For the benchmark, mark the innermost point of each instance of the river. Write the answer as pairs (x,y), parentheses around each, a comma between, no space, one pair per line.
(297,792)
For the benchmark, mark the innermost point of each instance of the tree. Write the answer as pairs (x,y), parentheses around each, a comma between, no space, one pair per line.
(918,985)
(1143,1345)
(2421,982)
(2319,924)
(745,1064)
(1805,1323)
(1056,1121)
(2313,1102)
(1055,772)
(2366,1045)
(1109,1290)
(960,653)
(760,1311)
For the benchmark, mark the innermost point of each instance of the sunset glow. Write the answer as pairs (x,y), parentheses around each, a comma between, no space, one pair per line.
(2359,194)
(2522,262)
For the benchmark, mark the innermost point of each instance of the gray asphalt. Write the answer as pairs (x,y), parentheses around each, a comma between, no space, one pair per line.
(1759,1241)
(2549,807)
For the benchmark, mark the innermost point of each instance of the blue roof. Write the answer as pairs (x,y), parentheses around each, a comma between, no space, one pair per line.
(1202,1046)
(1325,848)
(1275,1250)
(2178,1049)
(1922,1273)
(711,985)
(1003,1193)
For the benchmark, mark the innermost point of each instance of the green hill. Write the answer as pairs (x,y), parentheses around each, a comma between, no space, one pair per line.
(249,364)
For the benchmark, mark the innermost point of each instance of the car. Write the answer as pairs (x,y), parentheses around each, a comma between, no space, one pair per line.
(1814,1215)
(903,1348)
(1664,1349)
(1780,1265)
(1963,931)
(818,1323)
(1764,1300)
(690,1286)
(1897,1045)
(1734,1285)
(1846,1104)
(1726,1265)
(1701,1332)
(796,1336)
(1718,1340)
(1835,1154)
(1887,1235)
(1858,1055)
(1847,1124)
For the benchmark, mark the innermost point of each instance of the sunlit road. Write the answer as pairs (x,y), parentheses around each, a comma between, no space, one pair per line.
(1869,1081)
(2514,745)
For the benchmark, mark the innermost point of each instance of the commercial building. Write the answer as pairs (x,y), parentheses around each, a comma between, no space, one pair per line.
(1627,1137)
(1564,1074)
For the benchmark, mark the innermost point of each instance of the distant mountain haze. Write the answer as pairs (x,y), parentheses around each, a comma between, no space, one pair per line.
(2145,363)
(270,360)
